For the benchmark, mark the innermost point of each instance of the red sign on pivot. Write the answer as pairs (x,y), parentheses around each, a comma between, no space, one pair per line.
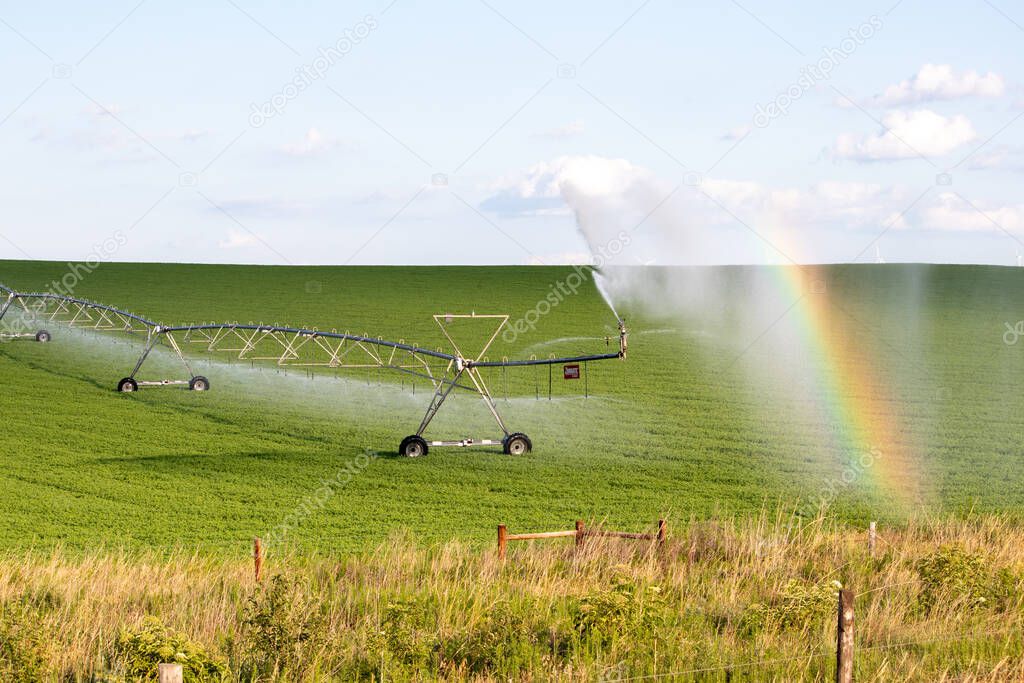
(571,371)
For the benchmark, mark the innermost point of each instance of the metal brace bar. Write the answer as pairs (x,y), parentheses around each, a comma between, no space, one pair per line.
(486,396)
(151,340)
(436,402)
(7,304)
(181,356)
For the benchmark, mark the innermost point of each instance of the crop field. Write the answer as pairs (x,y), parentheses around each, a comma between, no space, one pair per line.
(711,414)
(767,414)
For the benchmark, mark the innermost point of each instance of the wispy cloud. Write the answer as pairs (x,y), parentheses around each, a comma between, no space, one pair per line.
(313,144)
(737,133)
(615,185)
(562,132)
(237,240)
(103,110)
(94,129)
(262,208)
(999,157)
(953,212)
(188,135)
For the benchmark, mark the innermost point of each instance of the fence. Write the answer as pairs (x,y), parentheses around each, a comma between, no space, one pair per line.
(580,533)
(844,634)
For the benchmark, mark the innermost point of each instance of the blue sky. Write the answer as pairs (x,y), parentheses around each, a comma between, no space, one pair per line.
(483,132)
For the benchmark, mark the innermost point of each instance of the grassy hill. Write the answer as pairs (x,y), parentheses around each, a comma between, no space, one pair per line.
(716,409)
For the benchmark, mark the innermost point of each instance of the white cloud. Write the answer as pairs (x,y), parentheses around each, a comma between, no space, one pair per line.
(103,110)
(42,129)
(1004,157)
(188,135)
(729,220)
(96,132)
(941,82)
(840,204)
(383,195)
(735,191)
(542,188)
(261,208)
(997,157)
(951,212)
(237,240)
(631,191)
(852,205)
(113,143)
(737,133)
(907,134)
(567,131)
(313,144)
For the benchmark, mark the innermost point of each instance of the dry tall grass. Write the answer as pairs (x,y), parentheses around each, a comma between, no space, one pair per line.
(748,599)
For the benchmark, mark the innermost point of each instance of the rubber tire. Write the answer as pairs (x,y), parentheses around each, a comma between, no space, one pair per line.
(517,444)
(413,447)
(43,336)
(199,383)
(127,385)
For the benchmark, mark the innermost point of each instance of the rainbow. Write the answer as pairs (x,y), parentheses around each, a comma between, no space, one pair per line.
(857,401)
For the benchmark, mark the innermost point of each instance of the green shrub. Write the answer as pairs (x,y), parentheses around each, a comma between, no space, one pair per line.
(282,631)
(23,644)
(952,574)
(408,633)
(625,610)
(138,652)
(502,644)
(801,605)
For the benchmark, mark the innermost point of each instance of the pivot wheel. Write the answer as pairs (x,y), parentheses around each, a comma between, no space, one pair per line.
(42,336)
(127,385)
(517,444)
(199,383)
(413,447)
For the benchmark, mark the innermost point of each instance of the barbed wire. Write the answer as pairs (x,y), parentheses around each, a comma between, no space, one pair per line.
(948,637)
(881,588)
(707,669)
(951,636)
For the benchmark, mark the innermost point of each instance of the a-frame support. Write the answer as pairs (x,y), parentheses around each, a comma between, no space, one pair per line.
(465,366)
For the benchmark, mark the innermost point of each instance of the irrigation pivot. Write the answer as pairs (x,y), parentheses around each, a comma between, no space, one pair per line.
(295,346)
(20,332)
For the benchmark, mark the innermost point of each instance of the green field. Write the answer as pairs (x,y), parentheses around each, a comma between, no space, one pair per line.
(713,412)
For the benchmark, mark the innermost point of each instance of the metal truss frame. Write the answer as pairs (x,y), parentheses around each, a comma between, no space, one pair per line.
(294,346)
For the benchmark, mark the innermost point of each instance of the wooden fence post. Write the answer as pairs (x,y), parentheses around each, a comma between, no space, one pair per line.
(872,532)
(844,638)
(502,540)
(580,531)
(661,531)
(170,673)
(257,557)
